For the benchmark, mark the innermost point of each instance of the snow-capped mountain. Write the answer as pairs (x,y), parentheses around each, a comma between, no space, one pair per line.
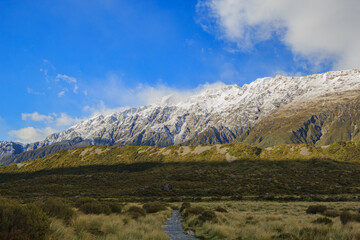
(214,115)
(8,149)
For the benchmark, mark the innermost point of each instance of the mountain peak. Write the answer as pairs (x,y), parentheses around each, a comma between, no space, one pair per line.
(217,113)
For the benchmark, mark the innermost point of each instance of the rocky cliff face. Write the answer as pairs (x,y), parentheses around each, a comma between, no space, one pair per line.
(311,109)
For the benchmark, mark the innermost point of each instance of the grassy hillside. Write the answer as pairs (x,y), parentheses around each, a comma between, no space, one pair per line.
(204,171)
(110,155)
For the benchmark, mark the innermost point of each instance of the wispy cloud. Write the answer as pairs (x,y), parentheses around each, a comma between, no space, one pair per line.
(321,31)
(66,78)
(47,69)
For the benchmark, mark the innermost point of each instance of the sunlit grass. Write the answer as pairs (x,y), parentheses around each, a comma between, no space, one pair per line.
(273,220)
(114,226)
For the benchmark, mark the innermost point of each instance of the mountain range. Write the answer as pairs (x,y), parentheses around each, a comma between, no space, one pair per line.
(318,109)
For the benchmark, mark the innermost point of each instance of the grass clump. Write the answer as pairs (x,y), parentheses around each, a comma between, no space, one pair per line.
(22,222)
(208,216)
(193,211)
(153,207)
(314,209)
(57,208)
(331,213)
(323,220)
(135,212)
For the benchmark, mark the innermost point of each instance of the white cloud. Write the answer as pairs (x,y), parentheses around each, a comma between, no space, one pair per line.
(35,116)
(67,79)
(319,30)
(60,94)
(30,134)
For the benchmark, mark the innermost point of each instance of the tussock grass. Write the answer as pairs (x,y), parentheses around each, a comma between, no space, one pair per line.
(109,227)
(272,220)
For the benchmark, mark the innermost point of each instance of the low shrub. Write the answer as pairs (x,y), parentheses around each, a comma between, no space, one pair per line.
(208,216)
(136,212)
(57,208)
(115,207)
(314,209)
(184,206)
(22,222)
(81,201)
(154,207)
(323,220)
(95,207)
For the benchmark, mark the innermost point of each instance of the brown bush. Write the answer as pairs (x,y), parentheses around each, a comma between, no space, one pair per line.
(314,209)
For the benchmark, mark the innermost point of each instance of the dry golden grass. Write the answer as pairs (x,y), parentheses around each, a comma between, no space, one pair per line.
(243,220)
(110,227)
(273,220)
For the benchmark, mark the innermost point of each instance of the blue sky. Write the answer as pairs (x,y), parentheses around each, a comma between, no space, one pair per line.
(63,61)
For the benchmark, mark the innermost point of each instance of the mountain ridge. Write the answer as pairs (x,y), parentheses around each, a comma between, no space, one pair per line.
(223,114)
